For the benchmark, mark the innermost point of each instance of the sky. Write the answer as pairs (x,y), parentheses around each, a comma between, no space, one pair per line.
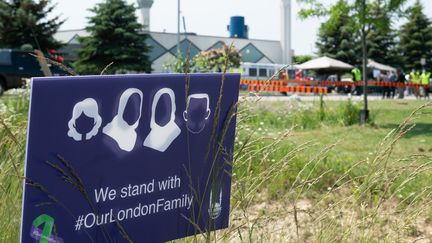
(211,17)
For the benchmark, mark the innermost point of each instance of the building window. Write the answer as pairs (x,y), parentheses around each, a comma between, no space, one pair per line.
(252,72)
(263,72)
(271,72)
(250,53)
(187,49)
(156,50)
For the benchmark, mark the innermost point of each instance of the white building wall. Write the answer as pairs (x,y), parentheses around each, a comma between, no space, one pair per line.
(272,50)
(265,60)
(158,64)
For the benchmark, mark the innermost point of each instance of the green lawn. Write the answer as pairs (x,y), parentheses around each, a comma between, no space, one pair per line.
(354,142)
(358,143)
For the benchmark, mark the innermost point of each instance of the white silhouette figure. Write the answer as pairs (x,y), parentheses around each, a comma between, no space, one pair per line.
(118,129)
(161,137)
(215,208)
(90,108)
(196,127)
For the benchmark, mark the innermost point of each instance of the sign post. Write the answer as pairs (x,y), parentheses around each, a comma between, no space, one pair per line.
(143,158)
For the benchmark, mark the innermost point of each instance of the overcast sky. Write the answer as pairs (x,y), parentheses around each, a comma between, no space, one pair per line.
(211,17)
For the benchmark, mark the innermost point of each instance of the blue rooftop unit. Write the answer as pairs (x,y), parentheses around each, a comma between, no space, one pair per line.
(237,27)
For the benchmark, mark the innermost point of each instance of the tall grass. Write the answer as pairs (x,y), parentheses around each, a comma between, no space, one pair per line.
(301,115)
(280,191)
(13,124)
(281,196)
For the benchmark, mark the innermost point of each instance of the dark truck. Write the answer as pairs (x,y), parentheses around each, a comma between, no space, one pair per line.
(15,65)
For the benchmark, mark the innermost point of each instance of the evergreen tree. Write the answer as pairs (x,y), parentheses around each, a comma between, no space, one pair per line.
(337,38)
(381,38)
(416,39)
(25,22)
(115,36)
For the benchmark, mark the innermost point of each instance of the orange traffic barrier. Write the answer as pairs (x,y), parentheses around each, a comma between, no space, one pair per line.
(328,83)
(314,87)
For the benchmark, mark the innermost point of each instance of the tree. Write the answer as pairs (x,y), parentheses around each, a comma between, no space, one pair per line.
(361,15)
(25,22)
(416,39)
(299,59)
(381,42)
(115,36)
(179,64)
(337,37)
(216,59)
(213,60)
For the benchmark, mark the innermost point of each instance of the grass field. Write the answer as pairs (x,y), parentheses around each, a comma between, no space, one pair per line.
(344,182)
(356,142)
(303,171)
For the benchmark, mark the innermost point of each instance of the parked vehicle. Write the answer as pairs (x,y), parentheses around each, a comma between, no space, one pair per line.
(260,71)
(15,65)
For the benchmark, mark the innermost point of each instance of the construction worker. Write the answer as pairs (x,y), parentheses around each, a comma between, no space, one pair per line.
(425,81)
(415,80)
(356,74)
(357,77)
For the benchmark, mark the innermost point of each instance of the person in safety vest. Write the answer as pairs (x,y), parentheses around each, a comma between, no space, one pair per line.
(356,74)
(425,81)
(415,79)
(357,77)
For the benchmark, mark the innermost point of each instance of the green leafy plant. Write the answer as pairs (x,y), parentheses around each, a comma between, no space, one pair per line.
(349,113)
(214,60)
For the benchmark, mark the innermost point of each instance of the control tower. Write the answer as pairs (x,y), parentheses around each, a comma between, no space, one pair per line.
(286,32)
(144,6)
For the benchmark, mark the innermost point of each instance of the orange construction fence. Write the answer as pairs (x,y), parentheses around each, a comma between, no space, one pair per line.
(288,89)
(327,83)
